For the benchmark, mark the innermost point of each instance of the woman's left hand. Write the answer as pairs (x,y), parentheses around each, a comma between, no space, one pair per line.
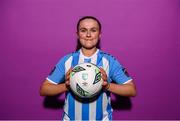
(104,77)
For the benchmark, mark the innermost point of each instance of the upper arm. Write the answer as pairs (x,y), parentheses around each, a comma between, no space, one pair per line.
(130,83)
(46,82)
(118,73)
(57,74)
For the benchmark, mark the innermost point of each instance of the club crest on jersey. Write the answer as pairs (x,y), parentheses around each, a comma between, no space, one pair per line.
(125,72)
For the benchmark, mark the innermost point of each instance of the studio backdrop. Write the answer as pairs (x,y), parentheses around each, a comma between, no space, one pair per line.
(144,35)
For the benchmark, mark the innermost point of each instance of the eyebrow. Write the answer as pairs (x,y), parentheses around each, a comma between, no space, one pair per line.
(86,28)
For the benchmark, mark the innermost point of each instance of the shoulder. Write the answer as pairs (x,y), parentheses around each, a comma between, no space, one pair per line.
(111,60)
(66,57)
(108,56)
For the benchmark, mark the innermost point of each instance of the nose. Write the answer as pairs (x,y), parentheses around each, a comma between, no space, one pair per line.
(88,34)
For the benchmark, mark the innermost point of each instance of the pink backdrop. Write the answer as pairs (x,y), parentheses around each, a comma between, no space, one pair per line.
(142,34)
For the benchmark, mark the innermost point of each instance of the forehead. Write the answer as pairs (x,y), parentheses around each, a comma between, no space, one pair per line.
(88,23)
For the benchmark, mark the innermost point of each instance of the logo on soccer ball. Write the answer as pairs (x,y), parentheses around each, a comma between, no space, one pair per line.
(97,78)
(84,84)
(77,69)
(81,91)
(84,76)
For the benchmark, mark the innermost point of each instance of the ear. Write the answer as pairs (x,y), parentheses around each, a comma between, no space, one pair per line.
(100,35)
(77,34)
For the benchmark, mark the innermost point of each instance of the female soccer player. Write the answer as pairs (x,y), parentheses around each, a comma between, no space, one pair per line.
(88,50)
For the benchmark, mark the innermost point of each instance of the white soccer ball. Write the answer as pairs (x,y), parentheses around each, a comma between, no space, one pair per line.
(86,80)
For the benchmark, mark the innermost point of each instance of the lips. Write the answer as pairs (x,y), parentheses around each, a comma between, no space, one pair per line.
(88,39)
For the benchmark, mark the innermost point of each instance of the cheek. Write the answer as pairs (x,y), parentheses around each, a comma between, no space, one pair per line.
(96,41)
(82,40)
(97,35)
(81,35)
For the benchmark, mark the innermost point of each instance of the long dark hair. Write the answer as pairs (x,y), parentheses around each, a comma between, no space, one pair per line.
(78,46)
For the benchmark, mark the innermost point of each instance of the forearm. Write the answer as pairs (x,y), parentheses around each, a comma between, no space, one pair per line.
(48,89)
(123,89)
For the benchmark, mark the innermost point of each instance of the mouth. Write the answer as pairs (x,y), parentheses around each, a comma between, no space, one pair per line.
(88,39)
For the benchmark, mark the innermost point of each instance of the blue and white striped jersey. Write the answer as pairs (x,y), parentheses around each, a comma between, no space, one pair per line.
(99,109)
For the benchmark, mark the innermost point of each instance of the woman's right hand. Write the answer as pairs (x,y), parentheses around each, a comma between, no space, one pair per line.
(67,78)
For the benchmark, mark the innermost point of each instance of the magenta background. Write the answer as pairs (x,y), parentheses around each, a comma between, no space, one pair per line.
(143,34)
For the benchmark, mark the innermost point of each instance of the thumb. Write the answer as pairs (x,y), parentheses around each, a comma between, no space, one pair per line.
(67,82)
(104,83)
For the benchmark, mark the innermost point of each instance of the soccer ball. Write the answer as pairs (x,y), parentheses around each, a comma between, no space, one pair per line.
(86,80)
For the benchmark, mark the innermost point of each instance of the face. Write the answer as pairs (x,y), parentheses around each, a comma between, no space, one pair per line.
(88,33)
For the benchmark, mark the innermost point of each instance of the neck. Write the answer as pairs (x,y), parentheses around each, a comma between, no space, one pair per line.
(88,52)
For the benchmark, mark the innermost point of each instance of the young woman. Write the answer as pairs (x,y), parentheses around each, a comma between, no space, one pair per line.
(88,50)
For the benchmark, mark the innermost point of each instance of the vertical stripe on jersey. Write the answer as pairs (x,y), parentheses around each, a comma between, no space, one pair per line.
(78,105)
(71,102)
(106,65)
(98,107)
(109,108)
(78,110)
(106,101)
(68,64)
(66,105)
(92,105)
(92,110)
(81,58)
(105,104)
(85,109)
(75,59)
(71,105)
(99,60)
(65,115)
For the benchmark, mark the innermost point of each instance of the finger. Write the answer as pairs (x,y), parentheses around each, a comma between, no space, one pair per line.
(67,83)
(104,78)
(104,83)
(67,77)
(69,71)
(104,75)
(103,72)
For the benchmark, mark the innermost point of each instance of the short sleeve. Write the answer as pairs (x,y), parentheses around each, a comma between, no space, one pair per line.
(57,75)
(118,73)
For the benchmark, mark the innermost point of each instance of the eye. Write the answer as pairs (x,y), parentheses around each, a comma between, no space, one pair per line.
(82,30)
(94,30)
